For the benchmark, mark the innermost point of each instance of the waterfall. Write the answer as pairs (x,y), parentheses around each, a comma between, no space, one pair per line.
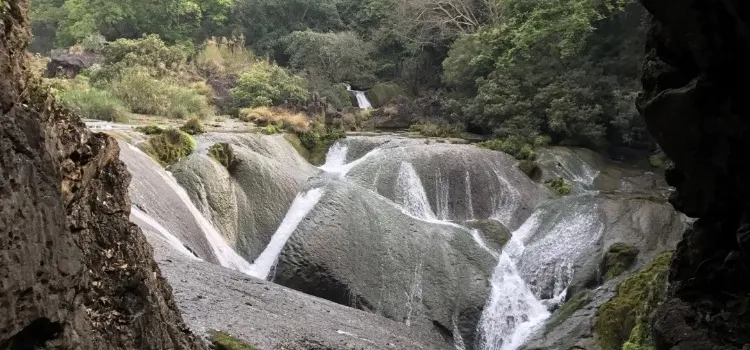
(335,158)
(302,204)
(362,101)
(469,203)
(442,192)
(410,193)
(137,215)
(512,311)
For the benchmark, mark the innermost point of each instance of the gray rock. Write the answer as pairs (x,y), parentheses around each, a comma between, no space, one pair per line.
(493,231)
(358,249)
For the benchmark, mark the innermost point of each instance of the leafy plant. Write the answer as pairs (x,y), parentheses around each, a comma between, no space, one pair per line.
(267,84)
(94,103)
(193,127)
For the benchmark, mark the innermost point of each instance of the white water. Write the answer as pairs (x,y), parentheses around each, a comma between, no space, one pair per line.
(512,311)
(411,194)
(335,158)
(442,192)
(585,174)
(165,234)
(302,204)
(469,203)
(226,256)
(362,101)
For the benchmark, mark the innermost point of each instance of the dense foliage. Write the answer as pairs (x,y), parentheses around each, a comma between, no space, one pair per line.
(566,70)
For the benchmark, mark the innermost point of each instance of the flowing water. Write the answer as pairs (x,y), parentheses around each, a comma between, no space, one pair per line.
(362,101)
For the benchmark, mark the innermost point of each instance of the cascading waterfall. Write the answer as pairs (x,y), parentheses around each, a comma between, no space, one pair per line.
(301,206)
(411,194)
(442,192)
(362,100)
(335,158)
(512,311)
(469,203)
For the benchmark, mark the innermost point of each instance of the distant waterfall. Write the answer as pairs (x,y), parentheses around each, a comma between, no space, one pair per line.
(362,101)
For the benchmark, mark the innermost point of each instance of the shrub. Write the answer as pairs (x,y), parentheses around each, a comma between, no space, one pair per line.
(618,259)
(224,341)
(560,186)
(145,94)
(169,146)
(318,141)
(269,129)
(223,154)
(267,84)
(437,129)
(660,160)
(93,103)
(624,319)
(222,56)
(262,116)
(530,168)
(150,129)
(149,53)
(193,127)
(519,147)
(382,93)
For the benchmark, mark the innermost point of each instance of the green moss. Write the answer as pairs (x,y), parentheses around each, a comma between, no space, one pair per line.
(269,129)
(560,187)
(629,311)
(567,309)
(225,341)
(618,259)
(193,127)
(318,142)
(149,129)
(519,147)
(530,168)
(223,154)
(659,160)
(494,232)
(169,146)
(294,140)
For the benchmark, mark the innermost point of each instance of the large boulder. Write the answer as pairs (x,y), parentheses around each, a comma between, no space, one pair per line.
(359,249)
(450,182)
(246,201)
(65,63)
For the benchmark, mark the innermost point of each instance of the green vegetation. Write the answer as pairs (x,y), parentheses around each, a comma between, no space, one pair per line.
(624,321)
(618,259)
(223,154)
(318,140)
(521,148)
(169,146)
(437,129)
(576,302)
(93,103)
(266,84)
(382,93)
(660,160)
(276,119)
(559,185)
(193,127)
(530,168)
(225,341)
(150,129)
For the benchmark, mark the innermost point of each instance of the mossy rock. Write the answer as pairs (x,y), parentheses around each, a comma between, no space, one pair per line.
(223,154)
(225,341)
(531,169)
(494,232)
(193,127)
(618,259)
(294,140)
(149,129)
(318,143)
(559,186)
(575,303)
(169,146)
(630,310)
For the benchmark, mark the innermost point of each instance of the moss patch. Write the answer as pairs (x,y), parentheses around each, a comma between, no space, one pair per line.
(225,341)
(149,129)
(629,311)
(530,168)
(494,232)
(560,187)
(294,140)
(576,302)
(619,258)
(169,146)
(318,143)
(193,127)
(223,154)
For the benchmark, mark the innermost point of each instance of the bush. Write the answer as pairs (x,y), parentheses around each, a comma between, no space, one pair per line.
(660,160)
(619,258)
(560,186)
(169,146)
(437,129)
(93,103)
(624,319)
(521,148)
(224,341)
(223,154)
(150,129)
(149,53)
(269,129)
(222,56)
(145,94)
(193,127)
(382,93)
(263,116)
(267,84)
(318,141)
(530,168)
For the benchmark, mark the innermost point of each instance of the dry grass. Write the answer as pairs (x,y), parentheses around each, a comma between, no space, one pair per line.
(224,56)
(262,116)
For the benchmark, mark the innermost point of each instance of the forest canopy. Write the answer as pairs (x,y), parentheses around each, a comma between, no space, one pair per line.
(566,70)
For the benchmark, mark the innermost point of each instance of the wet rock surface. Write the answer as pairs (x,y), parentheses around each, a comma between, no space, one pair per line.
(272,317)
(75,273)
(695,105)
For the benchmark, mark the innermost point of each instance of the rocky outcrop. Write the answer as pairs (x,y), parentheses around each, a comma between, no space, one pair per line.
(74,272)
(65,63)
(695,105)
(359,249)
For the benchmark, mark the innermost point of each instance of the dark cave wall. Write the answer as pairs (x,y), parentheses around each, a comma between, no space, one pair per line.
(696,106)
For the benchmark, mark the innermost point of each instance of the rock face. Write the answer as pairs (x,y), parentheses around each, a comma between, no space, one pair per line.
(694,104)
(75,274)
(359,249)
(246,202)
(65,64)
